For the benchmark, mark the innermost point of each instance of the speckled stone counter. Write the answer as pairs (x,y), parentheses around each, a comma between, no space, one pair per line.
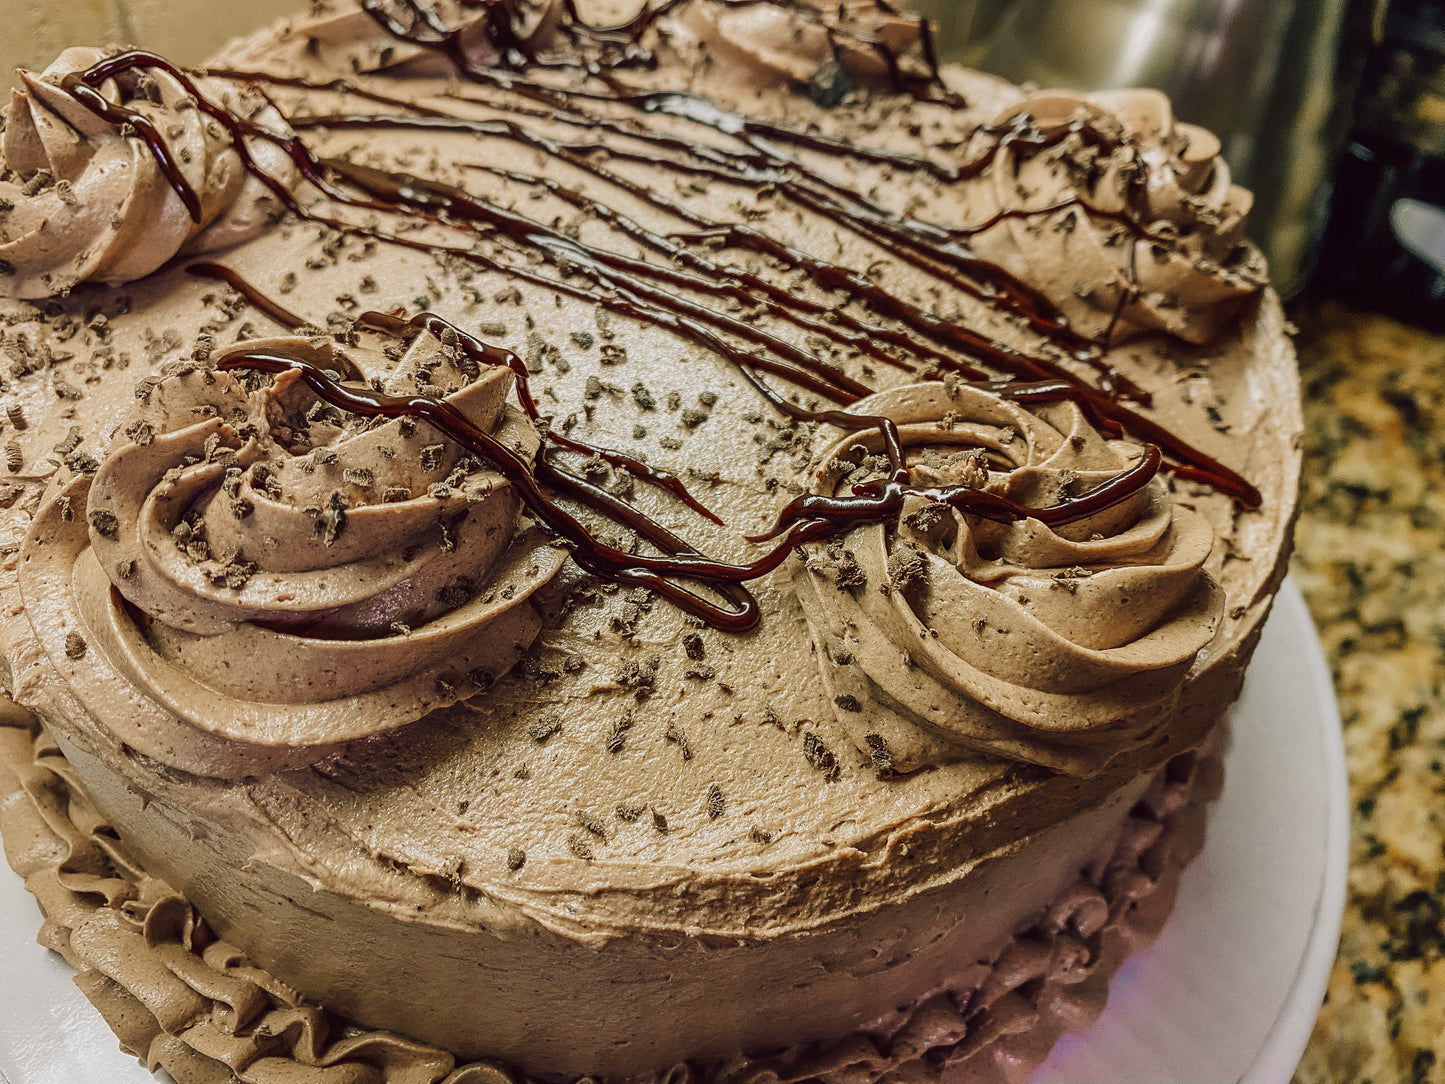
(1370,558)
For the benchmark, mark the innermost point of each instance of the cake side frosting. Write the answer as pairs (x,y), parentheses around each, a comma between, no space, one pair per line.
(699,275)
(184,1001)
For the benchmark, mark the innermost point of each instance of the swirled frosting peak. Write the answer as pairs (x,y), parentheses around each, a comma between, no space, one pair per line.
(282,577)
(1124,218)
(84,199)
(428,42)
(947,634)
(823,47)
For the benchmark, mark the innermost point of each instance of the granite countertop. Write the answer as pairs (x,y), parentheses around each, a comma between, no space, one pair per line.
(1370,559)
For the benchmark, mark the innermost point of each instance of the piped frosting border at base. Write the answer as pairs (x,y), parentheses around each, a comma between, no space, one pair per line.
(184,1001)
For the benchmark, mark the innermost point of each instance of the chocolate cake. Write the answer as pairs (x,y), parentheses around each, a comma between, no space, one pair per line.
(690,545)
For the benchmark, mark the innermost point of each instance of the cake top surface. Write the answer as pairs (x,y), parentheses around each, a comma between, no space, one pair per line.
(404,468)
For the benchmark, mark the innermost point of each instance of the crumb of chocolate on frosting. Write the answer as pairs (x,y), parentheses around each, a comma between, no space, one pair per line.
(592,823)
(75,645)
(817,754)
(675,736)
(545,727)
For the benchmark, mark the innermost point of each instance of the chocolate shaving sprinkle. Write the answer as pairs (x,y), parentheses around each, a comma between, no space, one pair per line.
(75,645)
(678,738)
(717,805)
(516,858)
(642,397)
(819,755)
(69,443)
(592,823)
(139,432)
(879,753)
(104,523)
(616,736)
(545,727)
(907,568)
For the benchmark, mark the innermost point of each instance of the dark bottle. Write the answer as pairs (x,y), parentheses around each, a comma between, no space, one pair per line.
(1382,250)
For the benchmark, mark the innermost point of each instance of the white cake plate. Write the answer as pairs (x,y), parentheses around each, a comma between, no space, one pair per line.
(1231,989)
(1228,993)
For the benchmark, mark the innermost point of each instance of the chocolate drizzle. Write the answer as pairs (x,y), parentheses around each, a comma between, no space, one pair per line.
(662,291)
(810,518)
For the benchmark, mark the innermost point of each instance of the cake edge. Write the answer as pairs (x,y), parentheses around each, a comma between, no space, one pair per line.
(181,1000)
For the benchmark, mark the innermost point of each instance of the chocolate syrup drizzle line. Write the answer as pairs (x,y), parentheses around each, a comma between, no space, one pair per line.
(480,352)
(880,494)
(1096,404)
(689,107)
(809,518)
(716,167)
(886,502)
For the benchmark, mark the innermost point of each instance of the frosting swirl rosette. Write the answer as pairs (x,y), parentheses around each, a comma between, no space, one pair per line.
(253,577)
(947,633)
(864,40)
(87,200)
(1124,218)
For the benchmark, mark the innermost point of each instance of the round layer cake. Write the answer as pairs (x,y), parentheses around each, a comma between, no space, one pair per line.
(700,544)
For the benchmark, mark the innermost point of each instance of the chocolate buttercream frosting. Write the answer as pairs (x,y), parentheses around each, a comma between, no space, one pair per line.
(1126,219)
(262,578)
(88,201)
(183,1000)
(1056,645)
(460,590)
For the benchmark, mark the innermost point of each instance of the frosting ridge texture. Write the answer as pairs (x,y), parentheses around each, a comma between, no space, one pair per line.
(1061,646)
(281,578)
(1124,218)
(91,203)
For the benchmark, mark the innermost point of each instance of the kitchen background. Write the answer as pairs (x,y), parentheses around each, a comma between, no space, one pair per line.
(1312,99)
